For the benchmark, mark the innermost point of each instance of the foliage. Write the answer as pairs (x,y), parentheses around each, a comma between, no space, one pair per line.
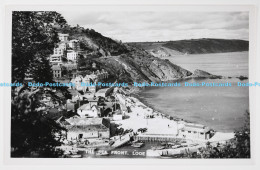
(33,40)
(31,131)
(239,147)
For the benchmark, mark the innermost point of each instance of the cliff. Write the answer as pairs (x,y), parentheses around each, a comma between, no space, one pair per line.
(123,62)
(203,74)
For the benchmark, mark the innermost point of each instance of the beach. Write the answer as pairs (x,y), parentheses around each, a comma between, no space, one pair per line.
(157,123)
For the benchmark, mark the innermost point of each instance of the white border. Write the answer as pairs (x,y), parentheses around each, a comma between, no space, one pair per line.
(5,73)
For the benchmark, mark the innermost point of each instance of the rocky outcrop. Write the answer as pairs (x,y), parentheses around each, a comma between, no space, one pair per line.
(129,69)
(203,74)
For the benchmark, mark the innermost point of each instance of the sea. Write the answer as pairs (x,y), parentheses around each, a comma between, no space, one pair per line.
(220,108)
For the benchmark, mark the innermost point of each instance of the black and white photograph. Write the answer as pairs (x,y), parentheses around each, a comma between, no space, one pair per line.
(138,82)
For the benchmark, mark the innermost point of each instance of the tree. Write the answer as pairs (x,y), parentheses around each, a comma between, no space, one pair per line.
(33,39)
(31,131)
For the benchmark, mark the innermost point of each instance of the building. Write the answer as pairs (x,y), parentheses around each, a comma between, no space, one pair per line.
(88,95)
(74,93)
(59,51)
(89,81)
(57,71)
(88,110)
(117,115)
(56,59)
(195,131)
(77,83)
(63,37)
(85,128)
(63,45)
(74,44)
(104,92)
(72,55)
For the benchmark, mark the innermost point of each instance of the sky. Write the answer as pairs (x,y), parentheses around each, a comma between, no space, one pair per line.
(162,26)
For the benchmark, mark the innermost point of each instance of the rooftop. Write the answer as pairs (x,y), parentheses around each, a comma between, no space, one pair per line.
(88,121)
(84,107)
(196,127)
(73,92)
(74,40)
(60,34)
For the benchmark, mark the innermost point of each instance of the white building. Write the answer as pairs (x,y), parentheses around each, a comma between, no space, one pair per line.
(72,55)
(88,110)
(195,131)
(63,37)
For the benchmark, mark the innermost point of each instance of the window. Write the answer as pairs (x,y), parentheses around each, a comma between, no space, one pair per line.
(189,131)
(202,133)
(194,132)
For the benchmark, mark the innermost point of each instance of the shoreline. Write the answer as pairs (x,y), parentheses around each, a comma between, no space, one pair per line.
(137,94)
(161,125)
(142,100)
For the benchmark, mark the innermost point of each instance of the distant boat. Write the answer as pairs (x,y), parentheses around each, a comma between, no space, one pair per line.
(137,144)
(157,147)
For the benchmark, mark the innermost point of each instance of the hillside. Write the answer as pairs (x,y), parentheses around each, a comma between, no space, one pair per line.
(193,46)
(123,62)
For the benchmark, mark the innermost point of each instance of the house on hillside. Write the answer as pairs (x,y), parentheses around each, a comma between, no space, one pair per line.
(56,59)
(75,95)
(77,83)
(88,110)
(72,55)
(57,71)
(63,37)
